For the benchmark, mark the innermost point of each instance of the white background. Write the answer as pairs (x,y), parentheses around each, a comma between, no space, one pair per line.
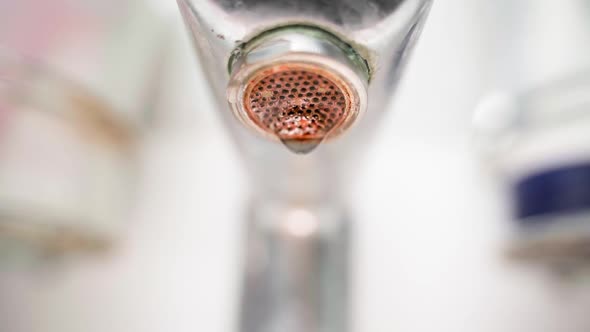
(431,226)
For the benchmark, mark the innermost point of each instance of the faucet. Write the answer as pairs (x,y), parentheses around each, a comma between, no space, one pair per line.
(300,86)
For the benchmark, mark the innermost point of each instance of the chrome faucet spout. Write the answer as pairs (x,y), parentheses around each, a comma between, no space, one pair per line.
(310,77)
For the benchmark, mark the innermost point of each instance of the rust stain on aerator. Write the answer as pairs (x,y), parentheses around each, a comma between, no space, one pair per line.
(300,104)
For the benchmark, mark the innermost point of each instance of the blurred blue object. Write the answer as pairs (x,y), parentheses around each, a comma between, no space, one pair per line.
(560,190)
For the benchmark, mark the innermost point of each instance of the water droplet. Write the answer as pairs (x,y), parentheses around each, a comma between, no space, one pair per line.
(301,146)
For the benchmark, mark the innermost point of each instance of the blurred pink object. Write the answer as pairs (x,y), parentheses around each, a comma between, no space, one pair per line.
(115,48)
(77,81)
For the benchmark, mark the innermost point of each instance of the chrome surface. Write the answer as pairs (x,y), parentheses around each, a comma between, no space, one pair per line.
(292,290)
(382,33)
(296,276)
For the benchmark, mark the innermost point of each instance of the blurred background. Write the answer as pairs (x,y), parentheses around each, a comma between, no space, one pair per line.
(130,217)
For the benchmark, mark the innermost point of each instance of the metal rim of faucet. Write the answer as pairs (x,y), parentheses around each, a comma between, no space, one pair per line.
(298,46)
